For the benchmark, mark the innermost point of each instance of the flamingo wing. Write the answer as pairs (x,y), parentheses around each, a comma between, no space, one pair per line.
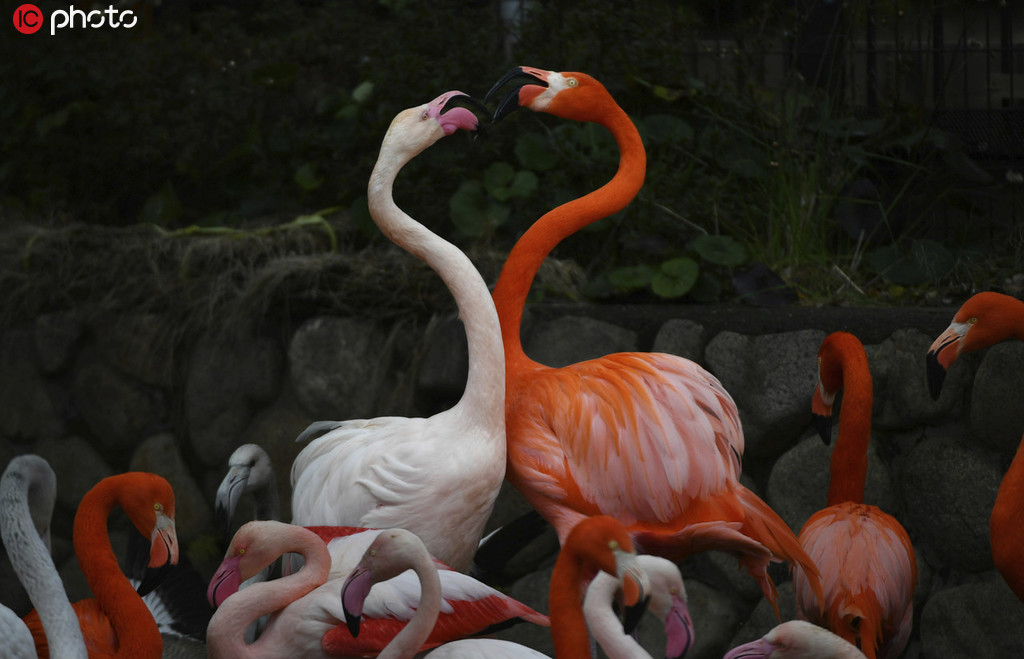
(868,573)
(636,436)
(99,635)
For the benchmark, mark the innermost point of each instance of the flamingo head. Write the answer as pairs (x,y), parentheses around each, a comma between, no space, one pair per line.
(391,553)
(984,319)
(416,128)
(603,543)
(795,639)
(667,602)
(151,510)
(568,94)
(248,469)
(255,545)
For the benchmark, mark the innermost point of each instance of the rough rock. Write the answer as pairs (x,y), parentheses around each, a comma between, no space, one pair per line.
(441,379)
(572,339)
(78,467)
(29,410)
(55,338)
(981,620)
(763,618)
(336,364)
(771,378)
(685,338)
(714,619)
(949,488)
(160,455)
(141,346)
(997,416)
(118,410)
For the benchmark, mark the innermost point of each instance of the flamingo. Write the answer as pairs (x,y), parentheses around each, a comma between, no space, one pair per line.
(436,476)
(28,489)
(797,639)
(648,438)
(116,622)
(306,614)
(599,543)
(667,602)
(250,471)
(983,320)
(867,564)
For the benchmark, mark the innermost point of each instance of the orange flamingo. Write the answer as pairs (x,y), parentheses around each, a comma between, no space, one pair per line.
(865,556)
(983,320)
(651,439)
(116,622)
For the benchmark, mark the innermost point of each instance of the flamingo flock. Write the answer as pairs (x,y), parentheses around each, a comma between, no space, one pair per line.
(634,458)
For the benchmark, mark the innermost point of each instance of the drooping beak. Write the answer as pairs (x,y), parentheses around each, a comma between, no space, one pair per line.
(163,554)
(758,649)
(678,629)
(821,412)
(229,494)
(452,113)
(942,353)
(226,581)
(633,581)
(353,596)
(514,99)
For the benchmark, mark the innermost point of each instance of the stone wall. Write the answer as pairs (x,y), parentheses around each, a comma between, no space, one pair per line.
(106,395)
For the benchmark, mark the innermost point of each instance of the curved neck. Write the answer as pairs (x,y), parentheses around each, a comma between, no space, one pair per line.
(849,465)
(133,624)
(415,633)
(565,606)
(604,624)
(529,252)
(226,631)
(31,561)
(484,396)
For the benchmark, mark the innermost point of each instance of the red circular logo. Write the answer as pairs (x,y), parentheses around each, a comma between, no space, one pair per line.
(28,19)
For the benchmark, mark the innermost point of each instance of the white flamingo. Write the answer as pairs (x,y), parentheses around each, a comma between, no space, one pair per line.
(797,639)
(436,476)
(306,614)
(250,471)
(667,603)
(28,489)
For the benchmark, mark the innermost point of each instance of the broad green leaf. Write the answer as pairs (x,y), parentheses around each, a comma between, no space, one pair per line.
(362,92)
(675,277)
(307,178)
(720,250)
(473,213)
(535,152)
(630,277)
(524,184)
(497,177)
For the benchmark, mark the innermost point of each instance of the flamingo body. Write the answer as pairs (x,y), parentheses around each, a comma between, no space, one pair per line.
(865,557)
(651,439)
(116,622)
(984,320)
(436,476)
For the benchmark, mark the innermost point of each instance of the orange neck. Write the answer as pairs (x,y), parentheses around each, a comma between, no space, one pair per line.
(529,252)
(849,464)
(133,624)
(565,605)
(1007,534)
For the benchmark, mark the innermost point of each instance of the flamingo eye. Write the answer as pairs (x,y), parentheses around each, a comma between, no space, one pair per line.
(157,507)
(425,115)
(241,551)
(613,545)
(973,320)
(572,82)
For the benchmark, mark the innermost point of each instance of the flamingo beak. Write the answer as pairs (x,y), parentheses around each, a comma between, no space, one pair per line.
(454,112)
(163,554)
(515,99)
(633,580)
(678,629)
(821,410)
(942,353)
(226,581)
(353,596)
(229,494)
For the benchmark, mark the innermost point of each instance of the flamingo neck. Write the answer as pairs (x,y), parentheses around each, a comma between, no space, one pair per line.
(849,465)
(21,493)
(533,247)
(415,633)
(226,635)
(1007,534)
(484,396)
(267,504)
(603,623)
(565,605)
(136,630)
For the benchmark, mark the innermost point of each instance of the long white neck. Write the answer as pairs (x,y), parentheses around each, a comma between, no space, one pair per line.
(484,397)
(405,644)
(27,485)
(603,623)
(225,637)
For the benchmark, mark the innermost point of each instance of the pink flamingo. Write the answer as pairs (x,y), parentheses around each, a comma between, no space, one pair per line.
(306,615)
(438,476)
(651,439)
(28,489)
(598,544)
(116,622)
(984,320)
(867,564)
(797,639)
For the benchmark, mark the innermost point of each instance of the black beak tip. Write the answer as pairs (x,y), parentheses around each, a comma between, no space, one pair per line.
(936,374)
(352,622)
(823,425)
(153,578)
(632,614)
